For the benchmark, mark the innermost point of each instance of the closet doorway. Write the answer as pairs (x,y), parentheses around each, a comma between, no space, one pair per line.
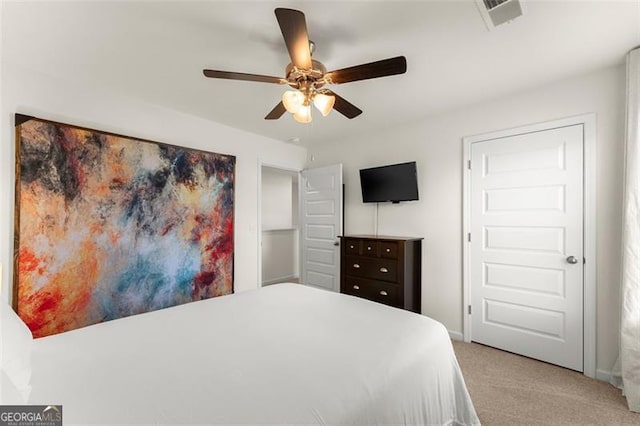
(279,248)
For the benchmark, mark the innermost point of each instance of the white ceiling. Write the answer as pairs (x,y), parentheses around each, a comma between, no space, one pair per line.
(155,51)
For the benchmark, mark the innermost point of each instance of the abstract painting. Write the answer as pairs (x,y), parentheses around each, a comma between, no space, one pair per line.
(108,226)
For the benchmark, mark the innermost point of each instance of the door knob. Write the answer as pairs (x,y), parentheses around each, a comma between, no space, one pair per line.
(572,260)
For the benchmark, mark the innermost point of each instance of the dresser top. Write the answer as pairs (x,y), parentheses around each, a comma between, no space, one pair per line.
(381,237)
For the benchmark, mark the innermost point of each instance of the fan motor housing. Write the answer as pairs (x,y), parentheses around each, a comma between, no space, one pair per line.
(315,75)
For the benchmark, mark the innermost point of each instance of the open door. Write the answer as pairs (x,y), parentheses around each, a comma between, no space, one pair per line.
(320,226)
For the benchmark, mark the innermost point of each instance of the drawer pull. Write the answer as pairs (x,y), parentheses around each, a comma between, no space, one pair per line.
(384,270)
(388,250)
(356,287)
(369,248)
(352,246)
(355,265)
(383,293)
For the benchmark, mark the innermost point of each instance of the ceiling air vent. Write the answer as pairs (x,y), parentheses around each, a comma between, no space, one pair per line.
(497,12)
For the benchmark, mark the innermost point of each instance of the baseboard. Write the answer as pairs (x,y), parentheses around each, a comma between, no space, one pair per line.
(455,335)
(609,377)
(280,280)
(605,376)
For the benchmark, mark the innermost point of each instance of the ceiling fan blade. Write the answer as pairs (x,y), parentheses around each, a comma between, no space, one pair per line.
(276,112)
(243,76)
(343,106)
(294,30)
(383,68)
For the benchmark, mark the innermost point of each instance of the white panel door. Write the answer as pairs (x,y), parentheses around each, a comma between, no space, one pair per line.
(321,224)
(526,265)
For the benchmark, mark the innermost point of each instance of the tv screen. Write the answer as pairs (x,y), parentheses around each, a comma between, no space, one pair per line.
(395,183)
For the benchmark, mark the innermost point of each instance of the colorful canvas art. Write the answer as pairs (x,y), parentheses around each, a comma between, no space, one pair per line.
(109,226)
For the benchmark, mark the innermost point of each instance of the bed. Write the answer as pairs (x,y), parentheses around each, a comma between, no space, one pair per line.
(283,354)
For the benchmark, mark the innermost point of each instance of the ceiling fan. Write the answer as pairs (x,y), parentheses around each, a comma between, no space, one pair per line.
(308,76)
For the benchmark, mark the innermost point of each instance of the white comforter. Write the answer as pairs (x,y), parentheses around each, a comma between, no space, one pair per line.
(284,354)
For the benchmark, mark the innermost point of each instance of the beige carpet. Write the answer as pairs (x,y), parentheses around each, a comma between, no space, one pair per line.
(509,389)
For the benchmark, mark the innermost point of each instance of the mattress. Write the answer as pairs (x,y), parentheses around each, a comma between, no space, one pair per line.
(283,354)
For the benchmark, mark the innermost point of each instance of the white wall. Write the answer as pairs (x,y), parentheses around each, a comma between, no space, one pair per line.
(277,199)
(35,94)
(436,144)
(279,256)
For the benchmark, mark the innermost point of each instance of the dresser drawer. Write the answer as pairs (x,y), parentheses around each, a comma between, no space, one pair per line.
(375,268)
(378,291)
(370,248)
(389,249)
(352,246)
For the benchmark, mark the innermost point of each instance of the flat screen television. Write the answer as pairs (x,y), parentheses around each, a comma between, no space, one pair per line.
(395,183)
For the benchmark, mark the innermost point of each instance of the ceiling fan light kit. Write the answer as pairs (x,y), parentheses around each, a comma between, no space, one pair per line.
(295,100)
(292,100)
(324,103)
(303,114)
(307,76)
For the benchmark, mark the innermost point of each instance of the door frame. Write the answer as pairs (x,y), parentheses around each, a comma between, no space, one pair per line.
(588,122)
(291,170)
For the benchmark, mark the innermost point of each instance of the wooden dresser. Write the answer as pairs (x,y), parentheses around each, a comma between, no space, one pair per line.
(383,269)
